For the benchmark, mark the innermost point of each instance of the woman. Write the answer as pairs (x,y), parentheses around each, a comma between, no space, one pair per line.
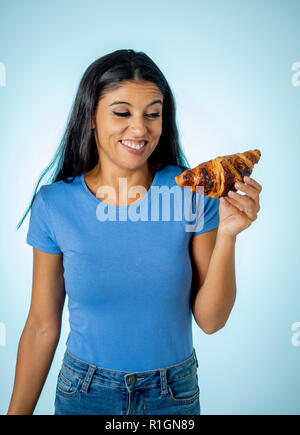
(132,284)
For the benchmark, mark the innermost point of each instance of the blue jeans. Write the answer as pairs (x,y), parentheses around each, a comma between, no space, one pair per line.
(83,388)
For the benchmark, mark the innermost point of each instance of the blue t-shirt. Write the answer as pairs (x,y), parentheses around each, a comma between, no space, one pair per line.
(127,269)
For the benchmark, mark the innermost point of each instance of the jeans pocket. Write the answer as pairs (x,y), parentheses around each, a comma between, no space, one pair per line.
(68,382)
(184,391)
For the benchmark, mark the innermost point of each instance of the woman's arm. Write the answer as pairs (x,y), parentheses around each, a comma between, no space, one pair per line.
(41,333)
(213,256)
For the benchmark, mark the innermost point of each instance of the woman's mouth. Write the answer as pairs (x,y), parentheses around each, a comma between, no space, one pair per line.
(135,147)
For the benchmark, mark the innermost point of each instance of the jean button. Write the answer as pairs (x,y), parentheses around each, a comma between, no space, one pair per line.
(132,380)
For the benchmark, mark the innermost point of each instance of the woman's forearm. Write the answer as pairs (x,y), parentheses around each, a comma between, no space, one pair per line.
(215,298)
(35,354)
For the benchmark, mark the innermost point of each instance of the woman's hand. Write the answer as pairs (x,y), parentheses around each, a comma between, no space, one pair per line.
(237,212)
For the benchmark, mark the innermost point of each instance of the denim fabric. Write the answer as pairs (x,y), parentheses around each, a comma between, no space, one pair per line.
(83,388)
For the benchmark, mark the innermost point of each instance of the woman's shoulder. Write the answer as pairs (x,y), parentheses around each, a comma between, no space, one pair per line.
(168,173)
(59,190)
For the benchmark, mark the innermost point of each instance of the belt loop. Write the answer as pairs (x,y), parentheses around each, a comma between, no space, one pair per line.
(163,382)
(88,378)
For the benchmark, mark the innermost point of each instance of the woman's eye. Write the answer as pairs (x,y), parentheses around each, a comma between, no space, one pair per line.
(121,113)
(154,115)
(151,115)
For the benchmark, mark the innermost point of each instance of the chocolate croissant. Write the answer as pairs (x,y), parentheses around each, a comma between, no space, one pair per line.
(219,175)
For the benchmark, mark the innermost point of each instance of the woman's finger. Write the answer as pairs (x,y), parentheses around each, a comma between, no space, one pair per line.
(251,191)
(246,204)
(234,203)
(253,183)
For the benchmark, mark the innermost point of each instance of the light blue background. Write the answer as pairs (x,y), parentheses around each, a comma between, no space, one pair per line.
(229,64)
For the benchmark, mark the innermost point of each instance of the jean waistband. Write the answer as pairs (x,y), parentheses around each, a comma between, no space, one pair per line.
(116,378)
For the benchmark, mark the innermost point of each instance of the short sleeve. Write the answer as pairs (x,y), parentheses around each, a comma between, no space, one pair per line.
(210,218)
(40,233)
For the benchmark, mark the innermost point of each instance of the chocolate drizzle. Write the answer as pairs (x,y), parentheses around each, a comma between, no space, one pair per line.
(218,176)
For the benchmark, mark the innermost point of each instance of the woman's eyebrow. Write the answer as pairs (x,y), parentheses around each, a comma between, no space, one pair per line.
(125,102)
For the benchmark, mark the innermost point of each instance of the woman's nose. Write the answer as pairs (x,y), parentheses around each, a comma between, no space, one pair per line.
(138,126)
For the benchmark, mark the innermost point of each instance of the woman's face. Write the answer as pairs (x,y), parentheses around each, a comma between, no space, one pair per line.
(131,113)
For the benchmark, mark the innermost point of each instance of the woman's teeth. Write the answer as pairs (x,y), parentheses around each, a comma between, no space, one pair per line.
(134,145)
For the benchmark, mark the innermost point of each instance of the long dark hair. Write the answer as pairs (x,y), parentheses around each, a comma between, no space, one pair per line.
(77,151)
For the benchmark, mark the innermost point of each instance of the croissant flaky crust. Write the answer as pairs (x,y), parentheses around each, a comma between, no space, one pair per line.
(219,175)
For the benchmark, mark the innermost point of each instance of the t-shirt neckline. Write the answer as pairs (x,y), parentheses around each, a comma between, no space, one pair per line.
(136,203)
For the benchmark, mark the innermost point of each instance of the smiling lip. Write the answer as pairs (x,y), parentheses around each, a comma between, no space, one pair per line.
(133,150)
(136,140)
